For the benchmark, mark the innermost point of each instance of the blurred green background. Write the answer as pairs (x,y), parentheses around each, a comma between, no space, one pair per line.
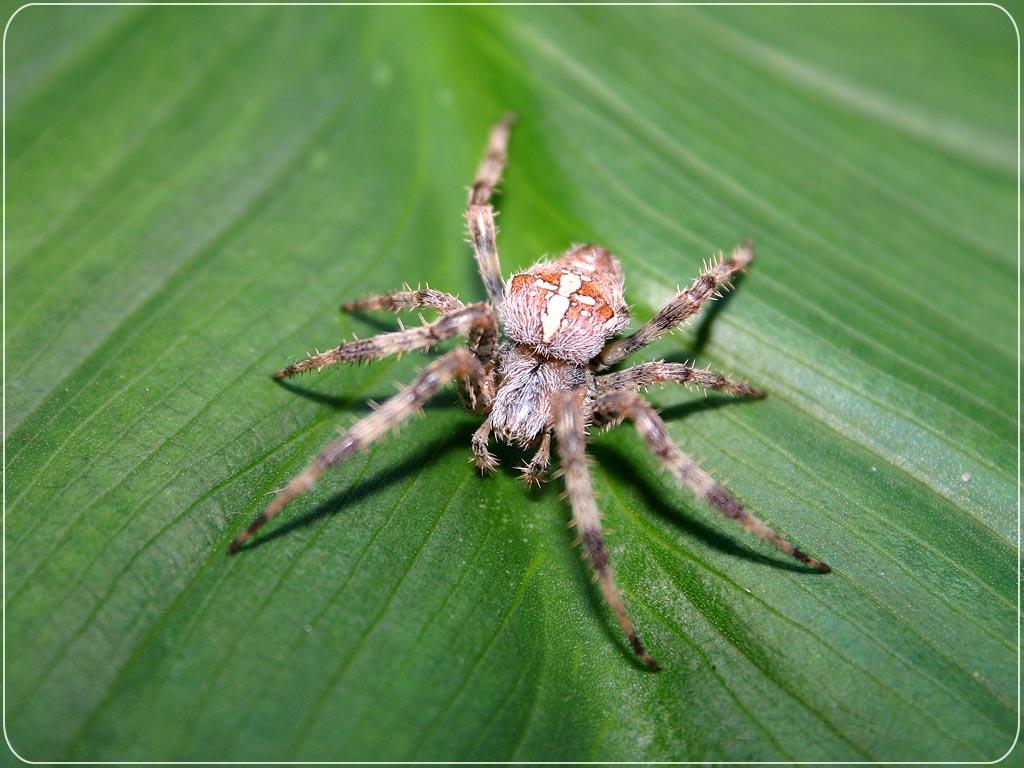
(192,191)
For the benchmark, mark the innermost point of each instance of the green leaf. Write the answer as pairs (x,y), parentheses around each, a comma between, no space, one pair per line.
(192,191)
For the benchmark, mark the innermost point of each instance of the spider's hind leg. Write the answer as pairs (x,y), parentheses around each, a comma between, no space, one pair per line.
(615,407)
(569,414)
(459,363)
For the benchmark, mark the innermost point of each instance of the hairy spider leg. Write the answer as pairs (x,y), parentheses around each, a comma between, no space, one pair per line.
(568,412)
(481,340)
(483,234)
(658,371)
(397,301)
(458,363)
(714,278)
(476,319)
(614,407)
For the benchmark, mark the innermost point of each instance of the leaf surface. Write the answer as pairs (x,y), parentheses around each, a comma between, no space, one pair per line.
(192,192)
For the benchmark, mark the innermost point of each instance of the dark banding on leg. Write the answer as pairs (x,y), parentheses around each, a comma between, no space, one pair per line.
(568,412)
(615,407)
(455,364)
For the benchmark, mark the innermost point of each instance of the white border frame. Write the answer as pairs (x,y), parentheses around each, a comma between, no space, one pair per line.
(3,379)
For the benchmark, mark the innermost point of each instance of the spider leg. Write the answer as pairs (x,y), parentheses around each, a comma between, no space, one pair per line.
(457,363)
(476,321)
(533,472)
(485,461)
(714,278)
(647,374)
(614,407)
(483,234)
(396,301)
(569,414)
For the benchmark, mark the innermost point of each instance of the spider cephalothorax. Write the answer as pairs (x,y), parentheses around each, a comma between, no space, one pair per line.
(560,318)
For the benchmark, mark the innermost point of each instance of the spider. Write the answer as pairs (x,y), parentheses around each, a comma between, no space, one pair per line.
(560,319)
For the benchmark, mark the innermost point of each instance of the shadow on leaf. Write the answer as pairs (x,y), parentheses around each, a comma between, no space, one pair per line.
(703,335)
(372,485)
(625,468)
(442,401)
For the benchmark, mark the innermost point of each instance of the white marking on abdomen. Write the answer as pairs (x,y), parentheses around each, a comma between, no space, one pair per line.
(568,284)
(555,310)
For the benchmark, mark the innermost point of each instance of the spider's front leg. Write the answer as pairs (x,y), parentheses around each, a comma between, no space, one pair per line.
(712,279)
(570,418)
(658,372)
(459,363)
(477,321)
(614,407)
(406,299)
(483,234)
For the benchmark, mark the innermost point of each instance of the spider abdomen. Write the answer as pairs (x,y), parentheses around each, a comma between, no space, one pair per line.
(568,308)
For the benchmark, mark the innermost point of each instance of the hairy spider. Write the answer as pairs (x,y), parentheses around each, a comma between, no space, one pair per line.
(560,318)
